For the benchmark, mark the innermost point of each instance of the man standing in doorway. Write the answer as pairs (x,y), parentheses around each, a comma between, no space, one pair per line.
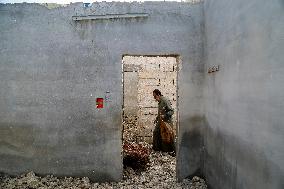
(165,112)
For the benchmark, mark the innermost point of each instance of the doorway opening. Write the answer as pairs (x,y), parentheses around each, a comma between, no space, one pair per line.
(141,76)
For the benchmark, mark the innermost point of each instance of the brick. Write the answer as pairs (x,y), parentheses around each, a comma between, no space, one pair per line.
(148,82)
(153,73)
(131,68)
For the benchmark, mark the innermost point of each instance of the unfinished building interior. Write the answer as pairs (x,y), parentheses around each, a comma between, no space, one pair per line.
(141,75)
(62,99)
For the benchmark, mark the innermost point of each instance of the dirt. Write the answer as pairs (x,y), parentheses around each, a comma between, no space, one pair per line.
(160,173)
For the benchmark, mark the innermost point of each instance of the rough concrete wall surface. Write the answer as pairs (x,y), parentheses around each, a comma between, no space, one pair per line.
(130,82)
(153,73)
(52,69)
(244,100)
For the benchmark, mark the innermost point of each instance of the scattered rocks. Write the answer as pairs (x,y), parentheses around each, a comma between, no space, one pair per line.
(158,170)
(136,155)
(160,173)
(130,129)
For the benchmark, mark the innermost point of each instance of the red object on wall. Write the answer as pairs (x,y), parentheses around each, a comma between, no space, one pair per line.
(100,102)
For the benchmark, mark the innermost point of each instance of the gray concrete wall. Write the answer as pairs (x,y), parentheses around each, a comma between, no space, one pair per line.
(52,69)
(244,100)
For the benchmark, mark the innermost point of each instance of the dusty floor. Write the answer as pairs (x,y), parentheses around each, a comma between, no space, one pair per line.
(160,174)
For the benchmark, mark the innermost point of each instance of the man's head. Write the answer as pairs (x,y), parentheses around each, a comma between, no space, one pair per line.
(157,94)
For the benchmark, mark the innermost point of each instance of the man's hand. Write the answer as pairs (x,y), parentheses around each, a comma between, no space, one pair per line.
(156,120)
(162,117)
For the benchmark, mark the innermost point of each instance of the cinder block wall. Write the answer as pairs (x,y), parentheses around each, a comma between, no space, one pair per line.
(52,69)
(151,72)
(244,100)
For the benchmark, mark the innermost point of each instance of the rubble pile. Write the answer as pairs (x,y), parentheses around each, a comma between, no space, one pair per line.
(130,130)
(135,155)
(160,173)
(143,168)
(31,181)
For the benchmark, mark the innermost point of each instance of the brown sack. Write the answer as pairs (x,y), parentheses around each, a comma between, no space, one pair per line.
(167,133)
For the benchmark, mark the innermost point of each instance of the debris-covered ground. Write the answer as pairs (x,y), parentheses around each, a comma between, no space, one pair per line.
(143,168)
(160,173)
(130,129)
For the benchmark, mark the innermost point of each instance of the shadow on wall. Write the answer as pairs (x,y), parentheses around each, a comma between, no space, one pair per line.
(224,161)
(14,136)
(230,163)
(16,145)
(191,148)
(25,147)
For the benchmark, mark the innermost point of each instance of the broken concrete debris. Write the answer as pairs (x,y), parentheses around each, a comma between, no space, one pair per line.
(143,168)
(135,155)
(160,173)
